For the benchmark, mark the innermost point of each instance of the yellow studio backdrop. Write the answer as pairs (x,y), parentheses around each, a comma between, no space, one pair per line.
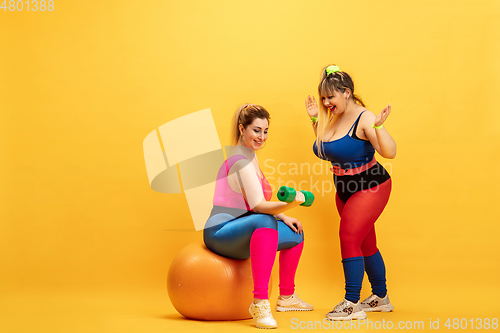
(85,243)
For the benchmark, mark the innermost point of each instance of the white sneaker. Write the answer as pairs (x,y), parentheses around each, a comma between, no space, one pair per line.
(375,303)
(261,313)
(346,310)
(293,303)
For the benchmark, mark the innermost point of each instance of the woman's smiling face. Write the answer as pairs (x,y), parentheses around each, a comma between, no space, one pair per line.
(335,103)
(255,134)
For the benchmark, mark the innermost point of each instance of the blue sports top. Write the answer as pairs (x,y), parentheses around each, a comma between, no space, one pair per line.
(347,152)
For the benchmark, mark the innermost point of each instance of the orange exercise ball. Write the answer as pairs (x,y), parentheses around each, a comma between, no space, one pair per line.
(206,286)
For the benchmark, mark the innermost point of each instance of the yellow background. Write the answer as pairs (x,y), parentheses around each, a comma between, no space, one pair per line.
(85,244)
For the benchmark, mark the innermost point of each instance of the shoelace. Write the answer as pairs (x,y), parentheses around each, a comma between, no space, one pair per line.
(297,298)
(300,300)
(293,297)
(339,307)
(371,298)
(264,310)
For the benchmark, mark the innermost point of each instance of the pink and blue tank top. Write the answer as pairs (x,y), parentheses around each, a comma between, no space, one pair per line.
(225,196)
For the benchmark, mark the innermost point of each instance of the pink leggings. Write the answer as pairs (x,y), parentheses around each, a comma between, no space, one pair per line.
(263,247)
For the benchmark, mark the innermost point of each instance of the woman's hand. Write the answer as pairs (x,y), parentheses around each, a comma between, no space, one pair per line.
(382,116)
(380,139)
(300,197)
(293,223)
(311,106)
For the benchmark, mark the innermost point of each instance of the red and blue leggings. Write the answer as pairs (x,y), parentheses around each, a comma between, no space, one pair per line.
(358,212)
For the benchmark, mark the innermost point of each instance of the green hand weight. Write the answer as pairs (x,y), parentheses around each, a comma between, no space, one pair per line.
(287,194)
(309,198)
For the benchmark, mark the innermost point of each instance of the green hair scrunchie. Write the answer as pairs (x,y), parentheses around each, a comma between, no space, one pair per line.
(332,69)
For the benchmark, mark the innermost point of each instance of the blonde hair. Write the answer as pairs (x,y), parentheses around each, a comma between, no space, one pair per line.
(245,115)
(330,84)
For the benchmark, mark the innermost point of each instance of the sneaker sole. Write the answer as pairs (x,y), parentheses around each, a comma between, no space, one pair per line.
(382,308)
(281,309)
(262,327)
(357,315)
(266,328)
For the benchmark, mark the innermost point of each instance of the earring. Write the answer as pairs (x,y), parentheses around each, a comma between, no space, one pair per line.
(265,142)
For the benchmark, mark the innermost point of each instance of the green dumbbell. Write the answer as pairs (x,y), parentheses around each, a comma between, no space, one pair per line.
(287,194)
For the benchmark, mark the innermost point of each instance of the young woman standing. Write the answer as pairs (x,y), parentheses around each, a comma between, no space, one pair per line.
(347,135)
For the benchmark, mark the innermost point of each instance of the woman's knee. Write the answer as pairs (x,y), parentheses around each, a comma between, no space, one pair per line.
(346,236)
(369,247)
(287,237)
